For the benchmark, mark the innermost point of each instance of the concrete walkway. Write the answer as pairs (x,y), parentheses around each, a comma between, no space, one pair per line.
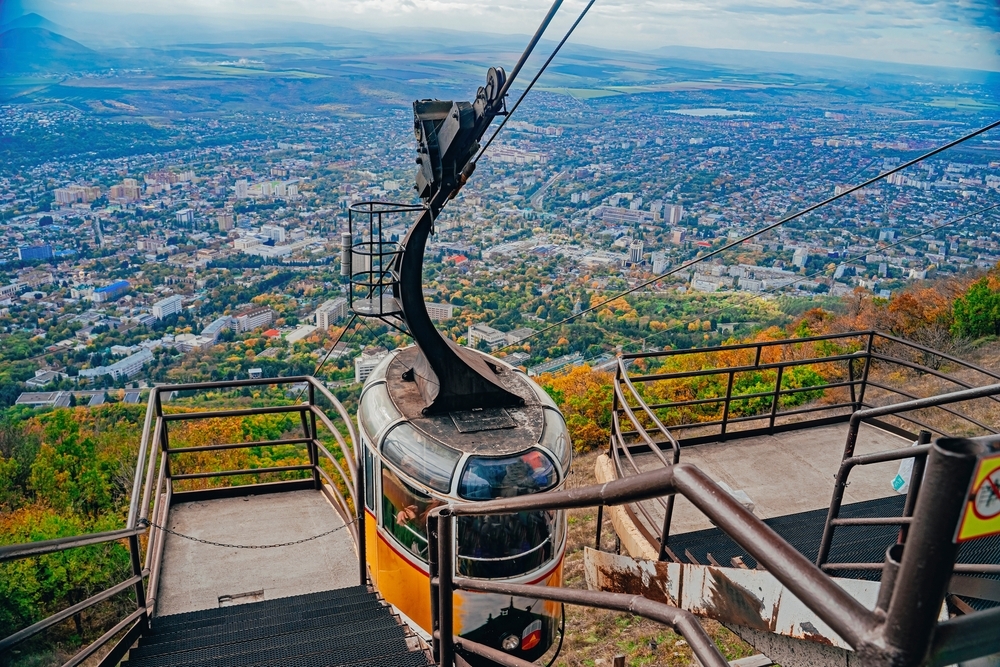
(195,576)
(785,473)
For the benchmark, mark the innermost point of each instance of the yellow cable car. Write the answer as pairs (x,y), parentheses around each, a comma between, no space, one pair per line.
(412,465)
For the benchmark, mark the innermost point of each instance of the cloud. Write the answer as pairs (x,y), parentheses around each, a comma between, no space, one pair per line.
(958,33)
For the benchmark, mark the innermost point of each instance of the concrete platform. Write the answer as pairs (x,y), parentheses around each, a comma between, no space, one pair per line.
(195,575)
(785,473)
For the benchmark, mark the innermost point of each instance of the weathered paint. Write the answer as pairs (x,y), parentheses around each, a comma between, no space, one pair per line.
(749,598)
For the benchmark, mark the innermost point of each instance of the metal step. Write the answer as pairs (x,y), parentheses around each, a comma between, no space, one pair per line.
(341,628)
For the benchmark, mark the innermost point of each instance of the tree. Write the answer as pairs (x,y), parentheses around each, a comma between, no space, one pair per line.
(977,312)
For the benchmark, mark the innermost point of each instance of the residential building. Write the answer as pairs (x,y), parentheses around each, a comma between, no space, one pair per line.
(439,312)
(486,334)
(672,214)
(242,189)
(635,252)
(660,262)
(331,312)
(366,362)
(43,399)
(185,216)
(557,364)
(517,335)
(77,194)
(167,307)
(300,334)
(225,221)
(253,318)
(34,252)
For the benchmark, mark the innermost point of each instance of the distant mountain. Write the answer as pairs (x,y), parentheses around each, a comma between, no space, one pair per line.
(32,21)
(36,49)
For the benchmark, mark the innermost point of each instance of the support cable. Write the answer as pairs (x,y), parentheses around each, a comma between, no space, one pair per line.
(534,80)
(764,230)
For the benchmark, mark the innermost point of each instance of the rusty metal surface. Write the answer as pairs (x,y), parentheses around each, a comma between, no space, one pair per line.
(749,598)
(528,418)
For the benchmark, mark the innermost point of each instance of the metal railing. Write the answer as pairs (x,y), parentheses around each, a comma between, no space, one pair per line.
(151,498)
(919,454)
(902,631)
(850,363)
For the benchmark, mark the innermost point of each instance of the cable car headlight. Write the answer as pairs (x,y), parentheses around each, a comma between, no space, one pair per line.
(510,643)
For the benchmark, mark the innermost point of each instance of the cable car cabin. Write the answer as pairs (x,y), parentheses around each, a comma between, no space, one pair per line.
(413,463)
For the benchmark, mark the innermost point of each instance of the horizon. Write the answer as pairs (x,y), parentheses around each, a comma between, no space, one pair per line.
(952,37)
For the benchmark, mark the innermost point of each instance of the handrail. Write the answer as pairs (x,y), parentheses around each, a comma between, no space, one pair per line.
(145,577)
(766,420)
(898,633)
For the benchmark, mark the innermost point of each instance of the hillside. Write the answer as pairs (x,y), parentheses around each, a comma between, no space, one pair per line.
(38,49)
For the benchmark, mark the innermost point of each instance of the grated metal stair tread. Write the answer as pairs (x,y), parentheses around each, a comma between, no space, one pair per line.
(851,544)
(341,628)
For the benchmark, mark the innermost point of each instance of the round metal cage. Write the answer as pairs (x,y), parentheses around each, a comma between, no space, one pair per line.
(369,252)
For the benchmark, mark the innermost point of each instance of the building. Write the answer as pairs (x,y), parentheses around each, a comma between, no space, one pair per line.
(300,334)
(128,191)
(801,257)
(242,189)
(43,378)
(245,243)
(557,364)
(677,236)
(253,318)
(366,362)
(517,335)
(660,262)
(635,252)
(44,399)
(672,214)
(331,312)
(274,232)
(482,333)
(111,292)
(225,221)
(706,282)
(35,279)
(125,368)
(147,244)
(440,312)
(185,216)
(217,327)
(166,307)
(34,252)
(77,194)
(255,373)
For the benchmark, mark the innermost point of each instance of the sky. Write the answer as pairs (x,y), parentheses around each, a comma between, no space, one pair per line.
(951,33)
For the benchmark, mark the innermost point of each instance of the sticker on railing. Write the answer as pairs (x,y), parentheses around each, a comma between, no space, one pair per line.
(982,511)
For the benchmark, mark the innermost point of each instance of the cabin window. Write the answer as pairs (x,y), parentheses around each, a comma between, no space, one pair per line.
(505,545)
(376,411)
(404,513)
(422,458)
(488,478)
(369,480)
(555,438)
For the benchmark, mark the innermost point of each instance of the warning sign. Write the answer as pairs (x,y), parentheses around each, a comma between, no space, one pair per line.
(982,513)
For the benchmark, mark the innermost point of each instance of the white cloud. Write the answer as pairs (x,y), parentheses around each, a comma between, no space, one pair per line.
(958,33)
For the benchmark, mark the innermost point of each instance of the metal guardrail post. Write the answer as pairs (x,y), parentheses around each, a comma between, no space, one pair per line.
(446,588)
(140,591)
(309,427)
(725,408)
(777,396)
(433,573)
(866,368)
(359,511)
(916,479)
(930,551)
(850,378)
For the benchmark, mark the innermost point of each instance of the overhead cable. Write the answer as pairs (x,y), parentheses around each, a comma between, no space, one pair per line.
(538,75)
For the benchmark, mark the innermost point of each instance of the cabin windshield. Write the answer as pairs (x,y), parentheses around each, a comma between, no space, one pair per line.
(505,545)
(488,478)
(404,513)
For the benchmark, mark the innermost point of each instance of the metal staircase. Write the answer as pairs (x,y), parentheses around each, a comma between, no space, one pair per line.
(348,626)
